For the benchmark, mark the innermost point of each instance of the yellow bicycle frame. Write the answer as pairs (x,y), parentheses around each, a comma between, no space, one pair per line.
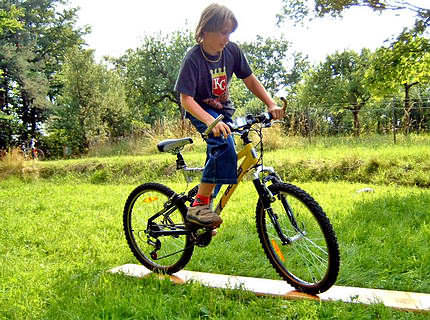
(250,160)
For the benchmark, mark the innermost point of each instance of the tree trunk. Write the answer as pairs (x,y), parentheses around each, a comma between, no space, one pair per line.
(356,122)
(407,108)
(33,119)
(182,110)
(3,93)
(355,109)
(25,113)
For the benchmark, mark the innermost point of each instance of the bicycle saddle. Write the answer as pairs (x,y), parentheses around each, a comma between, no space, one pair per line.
(173,145)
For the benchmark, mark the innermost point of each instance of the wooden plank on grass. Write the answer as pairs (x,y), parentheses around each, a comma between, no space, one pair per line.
(396,299)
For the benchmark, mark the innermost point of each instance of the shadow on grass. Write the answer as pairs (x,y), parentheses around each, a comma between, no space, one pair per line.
(384,243)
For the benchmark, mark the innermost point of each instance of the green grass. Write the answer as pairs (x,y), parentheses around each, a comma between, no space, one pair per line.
(60,236)
(61,230)
(374,160)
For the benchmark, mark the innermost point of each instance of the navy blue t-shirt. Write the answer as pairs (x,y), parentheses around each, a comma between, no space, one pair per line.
(208,81)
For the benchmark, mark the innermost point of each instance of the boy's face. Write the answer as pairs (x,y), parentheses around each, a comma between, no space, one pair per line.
(216,41)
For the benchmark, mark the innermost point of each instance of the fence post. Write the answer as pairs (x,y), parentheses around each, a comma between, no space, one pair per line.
(308,120)
(394,120)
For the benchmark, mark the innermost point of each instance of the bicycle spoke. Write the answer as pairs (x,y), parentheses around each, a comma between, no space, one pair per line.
(151,210)
(310,262)
(306,260)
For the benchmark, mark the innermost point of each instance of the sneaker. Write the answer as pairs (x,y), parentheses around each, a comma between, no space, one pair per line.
(203,216)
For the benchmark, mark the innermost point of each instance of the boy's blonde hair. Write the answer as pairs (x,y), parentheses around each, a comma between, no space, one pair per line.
(213,18)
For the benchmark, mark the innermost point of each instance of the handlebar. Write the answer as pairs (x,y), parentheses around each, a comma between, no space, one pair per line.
(243,122)
(249,120)
(212,125)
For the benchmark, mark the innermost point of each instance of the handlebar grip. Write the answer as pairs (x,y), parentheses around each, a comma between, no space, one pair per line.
(212,125)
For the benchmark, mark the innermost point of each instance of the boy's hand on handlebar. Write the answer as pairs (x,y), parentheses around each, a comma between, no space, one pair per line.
(276,112)
(221,129)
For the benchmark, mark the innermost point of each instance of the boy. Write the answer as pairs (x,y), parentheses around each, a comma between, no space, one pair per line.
(202,83)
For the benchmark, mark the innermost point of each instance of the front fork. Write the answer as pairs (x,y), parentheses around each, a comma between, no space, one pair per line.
(260,183)
(267,198)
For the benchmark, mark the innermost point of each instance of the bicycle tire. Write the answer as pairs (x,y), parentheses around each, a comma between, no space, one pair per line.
(175,251)
(38,154)
(310,263)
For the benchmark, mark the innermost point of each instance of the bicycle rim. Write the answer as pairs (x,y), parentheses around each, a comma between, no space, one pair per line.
(167,254)
(310,262)
(38,154)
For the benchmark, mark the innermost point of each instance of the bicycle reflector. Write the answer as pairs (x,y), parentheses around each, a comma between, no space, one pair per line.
(150,199)
(278,251)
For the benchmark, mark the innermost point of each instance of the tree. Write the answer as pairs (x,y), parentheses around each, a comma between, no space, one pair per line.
(274,65)
(300,9)
(151,70)
(8,23)
(92,105)
(9,20)
(338,84)
(30,56)
(150,74)
(20,86)
(400,67)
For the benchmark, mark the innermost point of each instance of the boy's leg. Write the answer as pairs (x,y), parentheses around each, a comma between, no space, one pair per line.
(205,190)
(200,211)
(220,168)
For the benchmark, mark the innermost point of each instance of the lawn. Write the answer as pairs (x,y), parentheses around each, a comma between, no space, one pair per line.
(60,235)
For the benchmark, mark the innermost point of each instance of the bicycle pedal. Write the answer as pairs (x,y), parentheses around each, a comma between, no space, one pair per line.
(193,226)
(204,237)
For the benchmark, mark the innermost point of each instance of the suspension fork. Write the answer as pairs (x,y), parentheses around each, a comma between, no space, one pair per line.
(290,213)
(260,184)
(267,198)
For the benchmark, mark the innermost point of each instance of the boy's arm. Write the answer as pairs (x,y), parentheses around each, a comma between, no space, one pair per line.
(260,92)
(198,112)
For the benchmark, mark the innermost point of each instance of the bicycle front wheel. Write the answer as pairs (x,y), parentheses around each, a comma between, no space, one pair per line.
(298,239)
(155,229)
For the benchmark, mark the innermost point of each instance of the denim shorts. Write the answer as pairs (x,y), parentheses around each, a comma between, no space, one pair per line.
(221,157)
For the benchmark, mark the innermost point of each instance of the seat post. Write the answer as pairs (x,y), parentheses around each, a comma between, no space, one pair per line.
(180,162)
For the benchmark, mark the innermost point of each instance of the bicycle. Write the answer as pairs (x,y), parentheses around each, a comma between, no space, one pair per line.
(30,151)
(295,233)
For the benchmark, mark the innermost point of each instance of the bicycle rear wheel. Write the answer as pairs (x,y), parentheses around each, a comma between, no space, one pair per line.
(148,217)
(38,154)
(298,239)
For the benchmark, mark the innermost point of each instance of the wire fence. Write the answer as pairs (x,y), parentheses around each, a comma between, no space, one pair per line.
(386,117)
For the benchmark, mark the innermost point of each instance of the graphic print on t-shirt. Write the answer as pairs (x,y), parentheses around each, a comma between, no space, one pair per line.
(219,88)
(219,81)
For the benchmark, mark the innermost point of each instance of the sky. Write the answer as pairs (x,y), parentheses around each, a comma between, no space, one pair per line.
(121,25)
